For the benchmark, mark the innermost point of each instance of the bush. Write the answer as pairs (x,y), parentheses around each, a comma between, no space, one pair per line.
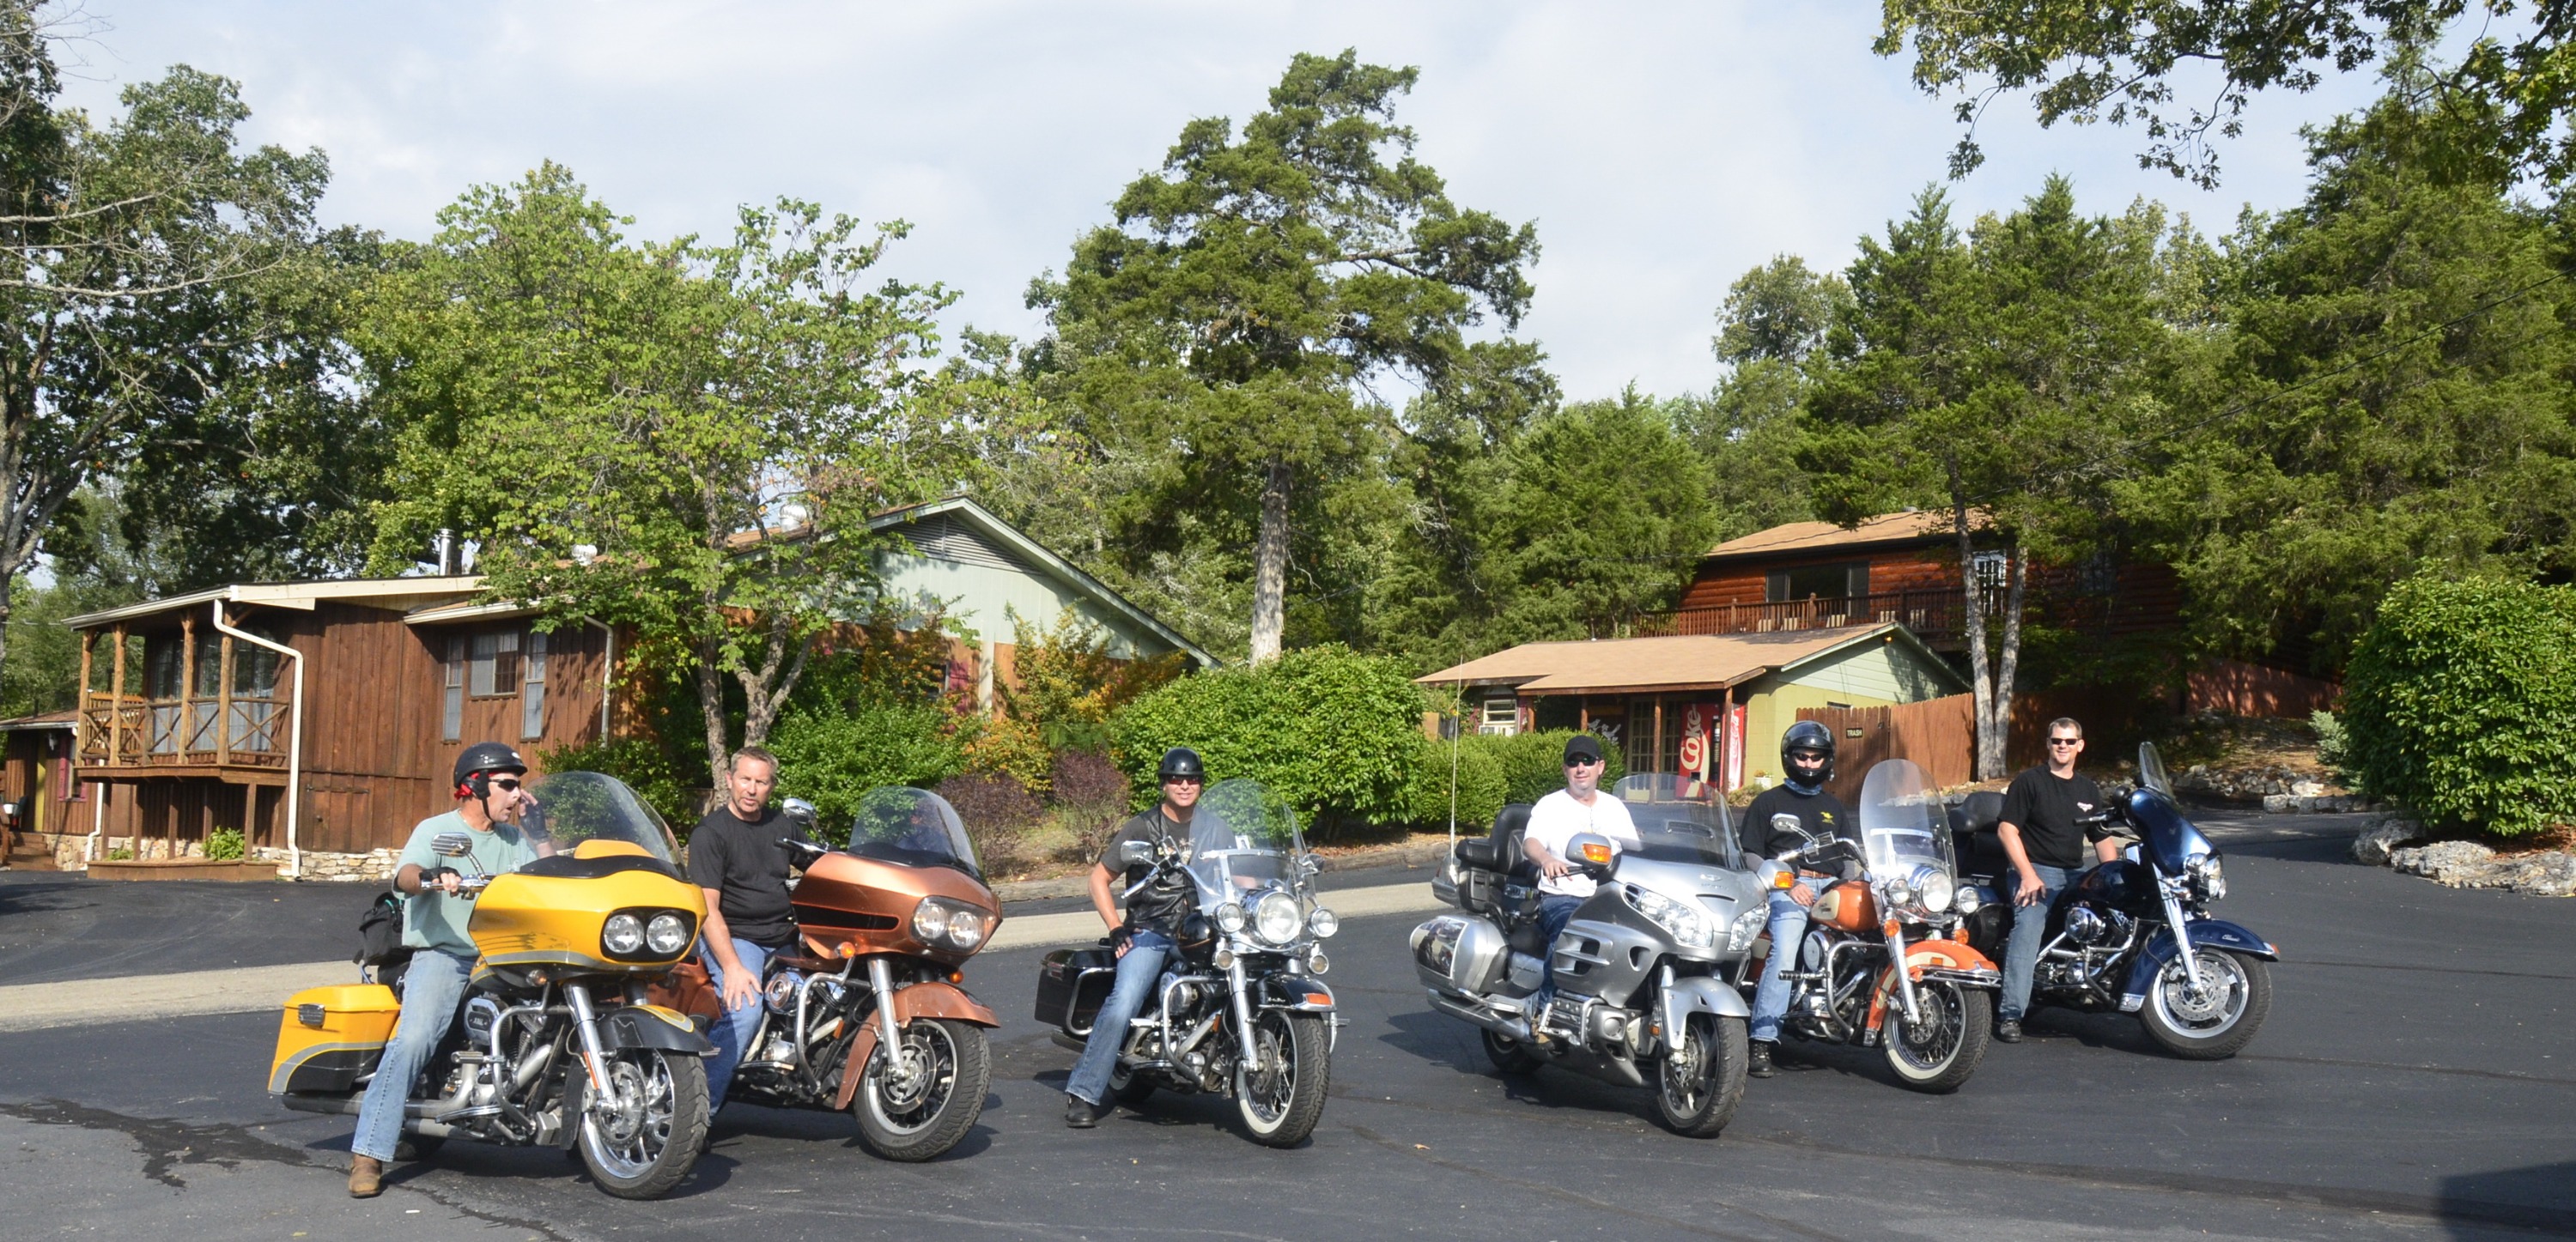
(831,760)
(1009,746)
(2332,747)
(1337,734)
(669,786)
(1494,771)
(2460,703)
(996,810)
(224,845)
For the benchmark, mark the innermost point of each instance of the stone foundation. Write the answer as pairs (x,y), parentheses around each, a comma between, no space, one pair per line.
(70,851)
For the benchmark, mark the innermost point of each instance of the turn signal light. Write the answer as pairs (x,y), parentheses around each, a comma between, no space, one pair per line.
(849,948)
(1784,879)
(1318,998)
(1595,853)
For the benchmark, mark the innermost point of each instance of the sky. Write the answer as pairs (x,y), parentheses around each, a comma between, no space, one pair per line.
(1661,149)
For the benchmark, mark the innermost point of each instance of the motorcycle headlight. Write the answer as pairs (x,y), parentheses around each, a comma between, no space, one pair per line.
(1229,918)
(668,933)
(622,935)
(1934,888)
(1316,962)
(948,924)
(1687,926)
(1323,923)
(1966,902)
(1897,892)
(1275,918)
(1746,929)
(2207,875)
(966,928)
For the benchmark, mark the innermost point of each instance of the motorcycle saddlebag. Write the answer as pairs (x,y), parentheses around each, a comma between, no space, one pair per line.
(328,1037)
(1072,985)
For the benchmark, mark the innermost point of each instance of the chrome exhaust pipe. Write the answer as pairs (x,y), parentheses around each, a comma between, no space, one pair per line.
(1517,1029)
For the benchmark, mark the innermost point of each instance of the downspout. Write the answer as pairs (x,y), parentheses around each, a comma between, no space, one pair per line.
(607,671)
(294,736)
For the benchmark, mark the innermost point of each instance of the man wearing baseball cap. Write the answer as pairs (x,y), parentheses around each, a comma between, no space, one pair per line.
(1554,821)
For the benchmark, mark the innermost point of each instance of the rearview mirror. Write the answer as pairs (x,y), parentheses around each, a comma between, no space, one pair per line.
(451,845)
(1135,854)
(1591,851)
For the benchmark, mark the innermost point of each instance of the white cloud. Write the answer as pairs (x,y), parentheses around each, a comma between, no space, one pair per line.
(1662,149)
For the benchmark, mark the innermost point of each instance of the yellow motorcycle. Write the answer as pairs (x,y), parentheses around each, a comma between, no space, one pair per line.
(556,1045)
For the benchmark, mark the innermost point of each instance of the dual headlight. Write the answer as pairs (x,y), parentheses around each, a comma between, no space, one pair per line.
(945,924)
(1275,920)
(1926,891)
(1689,926)
(647,933)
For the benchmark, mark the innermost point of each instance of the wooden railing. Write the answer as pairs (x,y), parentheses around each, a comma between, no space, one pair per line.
(1935,616)
(146,733)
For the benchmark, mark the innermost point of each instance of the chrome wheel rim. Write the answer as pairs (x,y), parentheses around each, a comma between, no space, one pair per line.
(2215,1007)
(1266,1090)
(1684,1081)
(1928,1045)
(630,1128)
(907,1091)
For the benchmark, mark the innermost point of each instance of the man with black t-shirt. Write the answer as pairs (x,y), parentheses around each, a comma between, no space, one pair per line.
(2047,848)
(1780,821)
(735,856)
(1145,936)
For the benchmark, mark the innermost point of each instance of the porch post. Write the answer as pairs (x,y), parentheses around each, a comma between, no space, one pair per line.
(187,682)
(1656,756)
(116,695)
(224,703)
(80,718)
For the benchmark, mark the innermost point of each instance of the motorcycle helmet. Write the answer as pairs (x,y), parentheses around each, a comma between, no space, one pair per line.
(474,767)
(1180,761)
(1807,735)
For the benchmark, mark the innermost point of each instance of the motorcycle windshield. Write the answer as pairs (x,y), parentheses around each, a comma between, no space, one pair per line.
(2171,839)
(1902,824)
(570,808)
(1243,836)
(1680,820)
(2151,770)
(913,828)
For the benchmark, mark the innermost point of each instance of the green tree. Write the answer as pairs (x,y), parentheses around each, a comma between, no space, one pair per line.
(2503,108)
(1244,290)
(128,253)
(1603,514)
(1992,377)
(685,438)
(1774,318)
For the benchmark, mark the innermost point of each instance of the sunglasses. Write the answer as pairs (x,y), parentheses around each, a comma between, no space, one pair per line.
(1184,780)
(2066,741)
(1584,763)
(506,784)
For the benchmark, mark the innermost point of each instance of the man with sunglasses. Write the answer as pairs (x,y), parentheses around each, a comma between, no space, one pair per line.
(1554,822)
(2047,845)
(1144,937)
(489,807)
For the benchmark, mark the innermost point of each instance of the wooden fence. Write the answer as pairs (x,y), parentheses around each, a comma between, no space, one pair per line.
(2235,688)
(1939,735)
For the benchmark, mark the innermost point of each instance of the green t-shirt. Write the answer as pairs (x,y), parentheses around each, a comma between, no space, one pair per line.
(431,918)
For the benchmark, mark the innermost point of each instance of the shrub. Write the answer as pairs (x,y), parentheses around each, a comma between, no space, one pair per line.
(1493,771)
(832,759)
(2332,748)
(2460,703)
(669,786)
(996,810)
(1009,746)
(224,845)
(1091,797)
(1068,685)
(1338,734)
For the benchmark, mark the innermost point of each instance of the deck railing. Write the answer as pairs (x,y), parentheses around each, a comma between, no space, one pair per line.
(145,733)
(1936,616)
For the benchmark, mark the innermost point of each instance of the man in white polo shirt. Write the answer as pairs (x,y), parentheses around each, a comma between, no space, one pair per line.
(1554,821)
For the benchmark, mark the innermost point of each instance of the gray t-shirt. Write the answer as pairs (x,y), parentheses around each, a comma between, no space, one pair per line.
(431,918)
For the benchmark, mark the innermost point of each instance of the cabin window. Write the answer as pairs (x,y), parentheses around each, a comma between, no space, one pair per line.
(1502,714)
(532,694)
(1835,581)
(494,670)
(1993,569)
(452,717)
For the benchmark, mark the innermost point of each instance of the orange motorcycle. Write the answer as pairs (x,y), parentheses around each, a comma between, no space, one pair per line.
(1878,966)
(868,1016)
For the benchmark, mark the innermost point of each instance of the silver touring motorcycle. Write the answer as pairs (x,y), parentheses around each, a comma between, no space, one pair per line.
(1239,1010)
(1641,996)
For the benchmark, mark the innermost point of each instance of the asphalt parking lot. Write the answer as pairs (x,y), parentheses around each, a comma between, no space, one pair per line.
(2415,1081)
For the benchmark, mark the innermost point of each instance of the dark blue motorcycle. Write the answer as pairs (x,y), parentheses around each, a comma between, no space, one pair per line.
(2135,934)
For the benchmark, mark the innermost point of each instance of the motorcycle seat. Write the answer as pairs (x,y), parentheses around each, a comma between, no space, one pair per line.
(1500,849)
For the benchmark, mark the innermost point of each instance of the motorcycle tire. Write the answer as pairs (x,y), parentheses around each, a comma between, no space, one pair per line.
(647,1145)
(1298,1047)
(1511,1057)
(1961,1024)
(928,1110)
(1128,1089)
(2217,1027)
(1696,1094)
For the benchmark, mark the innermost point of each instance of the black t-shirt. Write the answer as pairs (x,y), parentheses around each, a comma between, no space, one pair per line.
(1820,813)
(2044,808)
(747,867)
(1163,904)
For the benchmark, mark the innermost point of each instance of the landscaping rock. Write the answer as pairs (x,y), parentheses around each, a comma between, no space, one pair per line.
(2443,862)
(2383,835)
(2467,864)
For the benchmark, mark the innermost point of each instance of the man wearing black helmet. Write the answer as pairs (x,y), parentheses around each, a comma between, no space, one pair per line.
(489,808)
(1145,936)
(1780,821)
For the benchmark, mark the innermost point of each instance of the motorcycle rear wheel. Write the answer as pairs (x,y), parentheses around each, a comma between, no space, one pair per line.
(649,1141)
(1281,1104)
(1511,1057)
(1696,1094)
(2217,1025)
(917,1111)
(1942,1052)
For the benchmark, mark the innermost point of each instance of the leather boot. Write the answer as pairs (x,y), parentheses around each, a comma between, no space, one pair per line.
(1757,1063)
(366,1177)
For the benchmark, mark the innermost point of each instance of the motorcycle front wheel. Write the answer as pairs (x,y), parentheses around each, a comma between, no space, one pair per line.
(916,1102)
(1283,1098)
(1696,1092)
(1511,1057)
(645,1138)
(2222,1018)
(1941,1051)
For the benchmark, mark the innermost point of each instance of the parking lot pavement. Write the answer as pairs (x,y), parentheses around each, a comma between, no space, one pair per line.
(2411,1084)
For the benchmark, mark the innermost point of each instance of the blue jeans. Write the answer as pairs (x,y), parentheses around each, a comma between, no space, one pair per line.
(2029,923)
(733,1028)
(1788,926)
(432,987)
(1554,912)
(1138,972)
